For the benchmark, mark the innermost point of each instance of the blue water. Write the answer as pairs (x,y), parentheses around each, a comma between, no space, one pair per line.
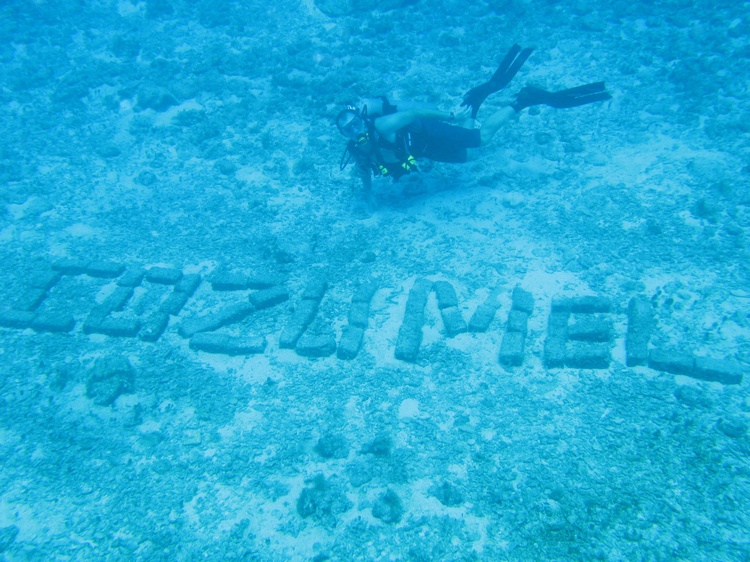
(217,345)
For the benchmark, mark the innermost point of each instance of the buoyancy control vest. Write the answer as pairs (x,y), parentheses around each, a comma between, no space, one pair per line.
(373,152)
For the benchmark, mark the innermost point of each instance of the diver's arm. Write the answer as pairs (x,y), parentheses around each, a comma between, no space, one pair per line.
(388,125)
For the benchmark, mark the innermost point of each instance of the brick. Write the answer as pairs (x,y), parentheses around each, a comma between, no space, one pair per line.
(483,317)
(153,327)
(587,355)
(116,327)
(30,299)
(290,335)
(671,362)
(70,266)
(264,281)
(518,321)
(590,328)
(350,342)
(522,300)
(48,322)
(188,284)
(104,269)
(315,290)
(163,275)
(209,322)
(19,319)
(365,291)
(359,313)
(209,342)
(586,304)
(453,321)
(228,281)
(44,279)
(640,325)
(267,298)
(316,345)
(554,352)
(512,349)
(717,370)
(446,294)
(174,303)
(132,277)
(409,338)
(117,299)
(417,299)
(557,324)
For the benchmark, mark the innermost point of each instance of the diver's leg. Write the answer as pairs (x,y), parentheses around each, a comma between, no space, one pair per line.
(494,122)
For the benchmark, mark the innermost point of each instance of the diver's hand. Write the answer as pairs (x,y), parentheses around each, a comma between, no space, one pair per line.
(461,114)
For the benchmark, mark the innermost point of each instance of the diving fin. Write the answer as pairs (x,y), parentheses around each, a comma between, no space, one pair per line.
(573,97)
(508,68)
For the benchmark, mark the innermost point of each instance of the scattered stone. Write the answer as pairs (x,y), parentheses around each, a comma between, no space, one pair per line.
(333,446)
(132,277)
(671,362)
(267,298)
(692,397)
(388,508)
(103,269)
(448,494)
(446,294)
(453,321)
(163,275)
(734,427)
(512,348)
(109,378)
(523,301)
(19,319)
(587,355)
(51,322)
(380,446)
(350,342)
(718,370)
(325,501)
(7,537)
(154,326)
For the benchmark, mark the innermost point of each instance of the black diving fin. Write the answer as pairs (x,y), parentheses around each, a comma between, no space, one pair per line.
(573,97)
(508,68)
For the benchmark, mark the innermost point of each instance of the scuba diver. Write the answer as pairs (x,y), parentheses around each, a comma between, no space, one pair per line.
(387,139)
